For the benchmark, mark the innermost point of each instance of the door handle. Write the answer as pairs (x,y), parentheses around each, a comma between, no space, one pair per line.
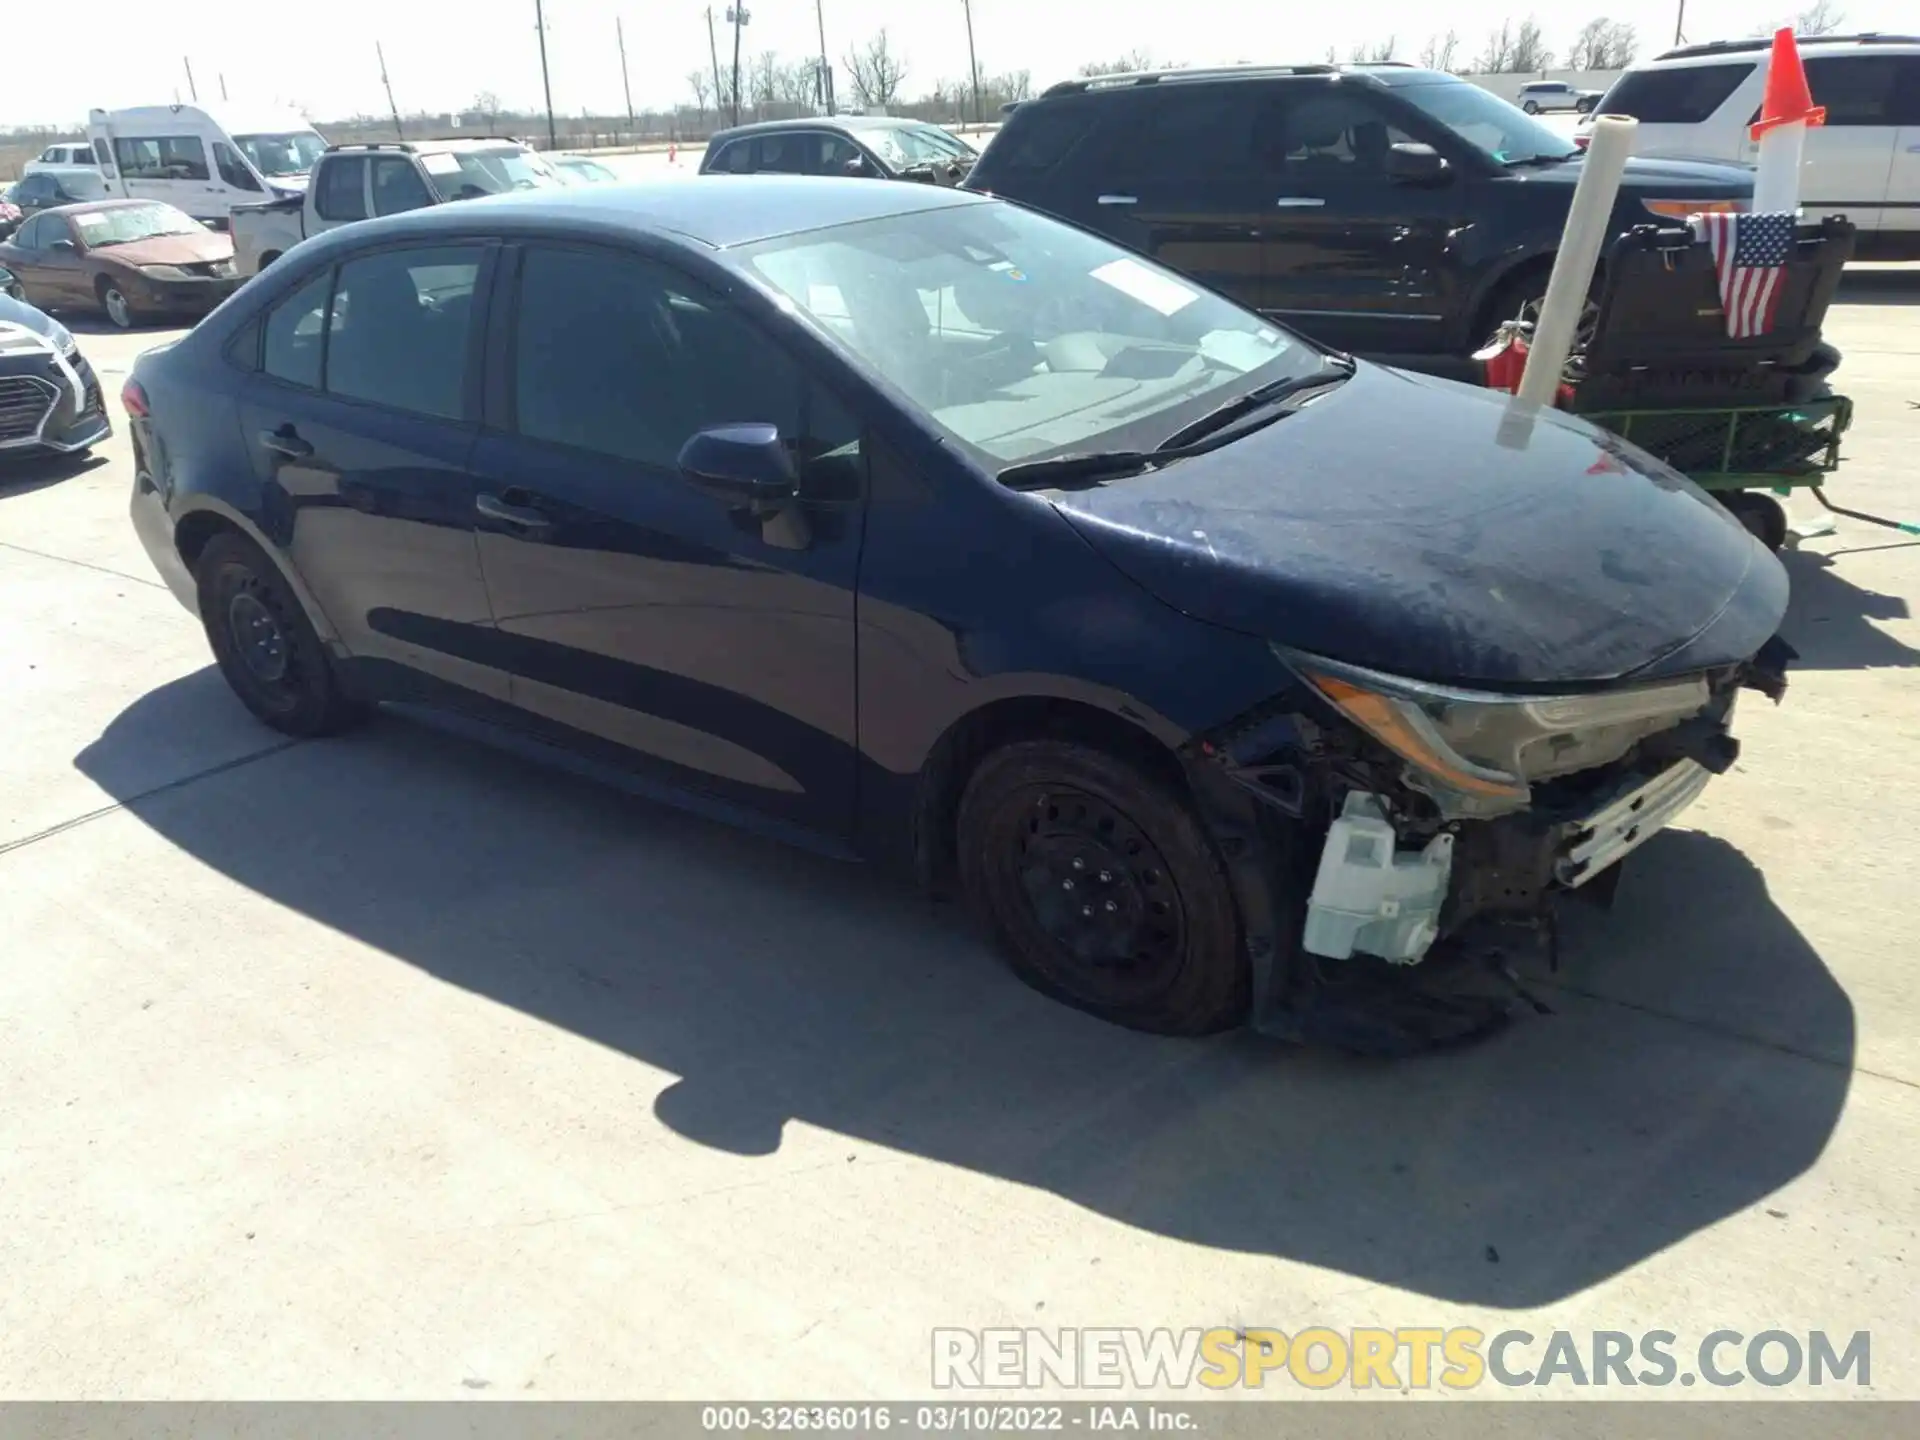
(1298,202)
(286,441)
(523,516)
(1119,199)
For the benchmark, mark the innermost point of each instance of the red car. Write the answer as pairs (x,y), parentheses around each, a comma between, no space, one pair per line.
(133,259)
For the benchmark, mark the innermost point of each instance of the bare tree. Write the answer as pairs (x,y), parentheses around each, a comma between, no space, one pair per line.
(877,72)
(487,106)
(763,81)
(1530,50)
(1603,44)
(1013,85)
(1514,50)
(1823,17)
(1497,57)
(702,87)
(1130,63)
(1378,53)
(1437,53)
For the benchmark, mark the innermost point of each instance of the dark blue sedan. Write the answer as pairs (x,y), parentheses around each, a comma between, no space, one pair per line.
(1216,669)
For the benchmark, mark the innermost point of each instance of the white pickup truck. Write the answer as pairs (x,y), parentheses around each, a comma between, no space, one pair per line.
(355,182)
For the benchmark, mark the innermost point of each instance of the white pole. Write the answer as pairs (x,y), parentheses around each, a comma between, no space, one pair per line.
(1588,221)
(1776,179)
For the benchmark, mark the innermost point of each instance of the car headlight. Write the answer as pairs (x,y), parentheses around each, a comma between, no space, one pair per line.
(63,341)
(1490,746)
(223,269)
(164,272)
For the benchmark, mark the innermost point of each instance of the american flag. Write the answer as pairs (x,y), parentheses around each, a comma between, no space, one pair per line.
(1750,259)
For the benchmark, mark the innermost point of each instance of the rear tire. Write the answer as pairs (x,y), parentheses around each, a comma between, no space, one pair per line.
(1103,888)
(264,643)
(1531,107)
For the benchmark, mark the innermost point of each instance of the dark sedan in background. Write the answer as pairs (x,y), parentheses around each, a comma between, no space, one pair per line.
(45,189)
(1209,664)
(876,147)
(129,259)
(50,399)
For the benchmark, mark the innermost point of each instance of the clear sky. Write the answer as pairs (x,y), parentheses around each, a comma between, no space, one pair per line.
(320,56)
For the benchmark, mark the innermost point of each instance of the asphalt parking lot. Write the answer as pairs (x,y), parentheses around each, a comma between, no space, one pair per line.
(393,1066)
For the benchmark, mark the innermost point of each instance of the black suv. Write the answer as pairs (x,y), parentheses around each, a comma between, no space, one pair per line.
(1380,209)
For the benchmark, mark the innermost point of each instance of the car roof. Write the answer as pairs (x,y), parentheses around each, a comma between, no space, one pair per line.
(851,124)
(716,213)
(1755,50)
(88,207)
(1391,74)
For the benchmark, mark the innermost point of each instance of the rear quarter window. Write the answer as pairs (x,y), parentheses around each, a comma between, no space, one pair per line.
(1039,138)
(1685,95)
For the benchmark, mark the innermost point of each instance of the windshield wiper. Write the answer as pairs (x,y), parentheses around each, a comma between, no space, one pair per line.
(1519,160)
(1193,439)
(1257,399)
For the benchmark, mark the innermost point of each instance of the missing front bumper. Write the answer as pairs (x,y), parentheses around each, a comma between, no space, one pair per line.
(1372,898)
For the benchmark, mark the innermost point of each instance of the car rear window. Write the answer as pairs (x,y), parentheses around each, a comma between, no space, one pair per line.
(1686,95)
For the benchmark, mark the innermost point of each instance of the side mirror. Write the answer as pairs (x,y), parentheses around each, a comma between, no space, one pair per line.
(741,466)
(856,166)
(64,247)
(1411,163)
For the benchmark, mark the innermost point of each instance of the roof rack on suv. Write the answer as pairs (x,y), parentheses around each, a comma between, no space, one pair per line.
(371,145)
(1732,47)
(1160,77)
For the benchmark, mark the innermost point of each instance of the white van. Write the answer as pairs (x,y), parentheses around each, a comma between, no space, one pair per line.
(1695,103)
(204,159)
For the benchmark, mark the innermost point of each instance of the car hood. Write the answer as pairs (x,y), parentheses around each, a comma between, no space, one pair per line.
(1427,529)
(194,249)
(18,312)
(1689,179)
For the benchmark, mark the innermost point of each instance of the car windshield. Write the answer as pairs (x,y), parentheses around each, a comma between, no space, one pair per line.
(1024,338)
(469,174)
(124,224)
(290,152)
(916,145)
(1485,121)
(590,170)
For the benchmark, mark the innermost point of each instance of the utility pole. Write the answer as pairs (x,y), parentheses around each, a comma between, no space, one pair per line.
(713,49)
(620,34)
(398,130)
(223,84)
(1679,22)
(191,89)
(973,61)
(737,17)
(546,85)
(826,68)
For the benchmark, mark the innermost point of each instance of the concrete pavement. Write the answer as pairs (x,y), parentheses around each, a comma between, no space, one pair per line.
(394,1066)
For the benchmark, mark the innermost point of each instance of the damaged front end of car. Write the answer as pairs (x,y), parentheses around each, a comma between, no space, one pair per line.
(1397,846)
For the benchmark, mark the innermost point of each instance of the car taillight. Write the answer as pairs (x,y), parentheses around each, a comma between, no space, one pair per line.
(1580,142)
(135,399)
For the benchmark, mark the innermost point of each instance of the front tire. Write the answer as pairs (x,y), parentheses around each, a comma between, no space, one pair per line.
(1103,888)
(114,301)
(264,643)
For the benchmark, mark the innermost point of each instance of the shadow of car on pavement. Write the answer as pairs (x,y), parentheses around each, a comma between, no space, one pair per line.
(777,985)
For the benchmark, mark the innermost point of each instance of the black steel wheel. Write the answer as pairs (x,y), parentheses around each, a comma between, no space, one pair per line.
(264,643)
(1103,887)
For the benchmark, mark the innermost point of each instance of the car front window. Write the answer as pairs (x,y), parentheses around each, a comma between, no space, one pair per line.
(126,224)
(277,155)
(1024,338)
(1505,132)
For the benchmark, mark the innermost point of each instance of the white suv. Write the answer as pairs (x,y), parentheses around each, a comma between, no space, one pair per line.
(1697,102)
